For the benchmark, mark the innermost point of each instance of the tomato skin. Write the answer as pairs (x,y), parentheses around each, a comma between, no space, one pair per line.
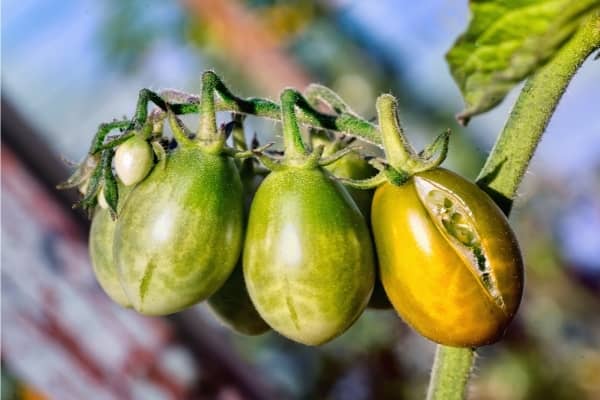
(308,258)
(180,232)
(429,283)
(101,253)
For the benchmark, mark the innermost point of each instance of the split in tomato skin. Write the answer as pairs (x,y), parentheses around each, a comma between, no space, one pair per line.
(308,257)
(457,281)
(180,232)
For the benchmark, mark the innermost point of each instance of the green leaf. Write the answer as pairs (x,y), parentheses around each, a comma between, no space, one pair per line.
(506,41)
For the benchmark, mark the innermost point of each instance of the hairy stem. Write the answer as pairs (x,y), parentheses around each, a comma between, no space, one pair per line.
(346,123)
(506,165)
(504,169)
(207,130)
(451,370)
(292,138)
(398,151)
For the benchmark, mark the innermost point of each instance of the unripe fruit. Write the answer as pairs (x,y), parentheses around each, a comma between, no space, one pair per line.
(133,160)
(449,262)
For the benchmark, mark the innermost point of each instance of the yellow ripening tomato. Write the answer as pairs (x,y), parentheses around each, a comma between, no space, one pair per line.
(449,261)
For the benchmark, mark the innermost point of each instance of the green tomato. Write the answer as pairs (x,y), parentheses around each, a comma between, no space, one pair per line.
(101,252)
(180,232)
(308,258)
(133,160)
(100,247)
(449,262)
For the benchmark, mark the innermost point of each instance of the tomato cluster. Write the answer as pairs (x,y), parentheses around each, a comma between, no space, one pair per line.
(309,253)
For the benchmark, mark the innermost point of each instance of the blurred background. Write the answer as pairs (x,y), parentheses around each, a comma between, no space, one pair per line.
(69,65)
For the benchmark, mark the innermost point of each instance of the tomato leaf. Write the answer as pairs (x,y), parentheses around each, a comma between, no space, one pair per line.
(506,41)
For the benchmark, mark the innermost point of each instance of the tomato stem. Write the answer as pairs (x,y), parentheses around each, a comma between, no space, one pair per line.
(450,373)
(181,103)
(346,123)
(237,132)
(295,150)
(398,151)
(208,135)
(508,161)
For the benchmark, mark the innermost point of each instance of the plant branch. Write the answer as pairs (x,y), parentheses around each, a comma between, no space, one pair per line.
(505,167)
(450,374)
(346,123)
(508,161)
(292,138)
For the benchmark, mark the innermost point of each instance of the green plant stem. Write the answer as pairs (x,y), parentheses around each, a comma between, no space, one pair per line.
(185,103)
(398,151)
(352,125)
(344,123)
(451,370)
(207,130)
(505,167)
(508,161)
(292,138)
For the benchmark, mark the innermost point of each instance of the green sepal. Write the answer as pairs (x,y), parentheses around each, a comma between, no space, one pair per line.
(270,163)
(242,155)
(365,184)
(180,132)
(160,153)
(400,155)
(109,184)
(89,200)
(337,155)
(82,173)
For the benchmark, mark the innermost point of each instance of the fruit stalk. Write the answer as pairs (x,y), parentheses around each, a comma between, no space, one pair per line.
(504,170)
(292,138)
